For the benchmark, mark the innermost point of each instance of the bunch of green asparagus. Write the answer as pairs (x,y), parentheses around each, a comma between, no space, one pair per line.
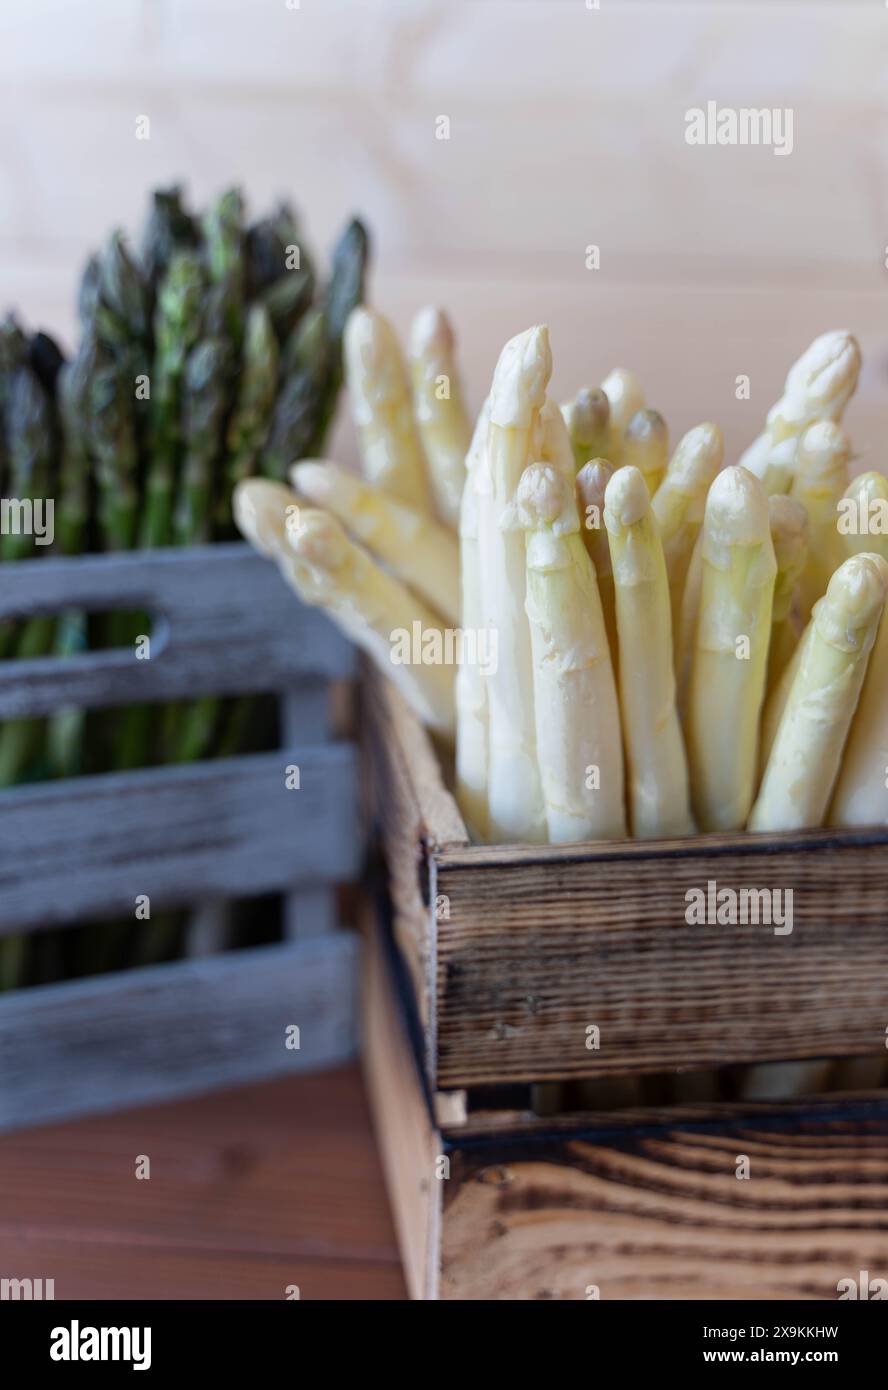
(209,351)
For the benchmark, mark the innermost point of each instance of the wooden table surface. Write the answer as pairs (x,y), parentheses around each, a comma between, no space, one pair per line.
(250,1191)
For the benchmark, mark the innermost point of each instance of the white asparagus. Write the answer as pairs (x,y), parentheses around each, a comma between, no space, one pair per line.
(861,793)
(471,687)
(777,696)
(592,481)
(624,396)
(575,699)
(444,426)
(419,550)
(680,500)
(515,799)
(327,570)
(646,446)
(863,515)
(820,480)
(657,770)
(731,650)
(378,386)
(818,387)
(587,417)
(789,534)
(807,749)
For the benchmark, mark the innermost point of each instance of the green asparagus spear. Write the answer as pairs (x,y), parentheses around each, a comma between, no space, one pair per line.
(177,324)
(170,228)
(295,417)
(112,434)
(223,243)
(249,424)
(65,735)
(345,290)
(45,358)
(204,402)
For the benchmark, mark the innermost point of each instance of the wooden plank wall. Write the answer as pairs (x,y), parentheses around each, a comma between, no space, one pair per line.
(567,129)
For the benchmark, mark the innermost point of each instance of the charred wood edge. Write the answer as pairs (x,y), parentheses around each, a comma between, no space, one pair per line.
(483,1139)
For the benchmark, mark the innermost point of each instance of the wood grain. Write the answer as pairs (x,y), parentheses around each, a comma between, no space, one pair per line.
(223,623)
(181,834)
(250,1189)
(408,1139)
(538,943)
(658,1212)
(535,951)
(175,1030)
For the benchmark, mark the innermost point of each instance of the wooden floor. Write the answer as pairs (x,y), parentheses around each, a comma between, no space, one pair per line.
(250,1191)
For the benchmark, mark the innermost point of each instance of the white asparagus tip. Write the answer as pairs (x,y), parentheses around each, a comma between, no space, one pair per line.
(313,478)
(698,456)
(541,496)
(824,449)
(319,540)
(788,519)
(592,481)
(590,415)
(626,499)
(854,595)
(431,335)
(520,379)
(646,426)
(868,487)
(260,513)
(737,508)
(827,369)
(370,346)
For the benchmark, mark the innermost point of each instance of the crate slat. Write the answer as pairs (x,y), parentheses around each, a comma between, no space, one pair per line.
(224,623)
(175,1030)
(183,834)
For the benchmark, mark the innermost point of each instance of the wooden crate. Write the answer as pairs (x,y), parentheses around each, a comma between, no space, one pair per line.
(223,623)
(496,963)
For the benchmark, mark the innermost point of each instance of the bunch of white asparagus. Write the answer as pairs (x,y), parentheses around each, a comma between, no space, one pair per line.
(619,641)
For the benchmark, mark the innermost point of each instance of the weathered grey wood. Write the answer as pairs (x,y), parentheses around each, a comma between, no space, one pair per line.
(175,1030)
(309,912)
(181,834)
(224,624)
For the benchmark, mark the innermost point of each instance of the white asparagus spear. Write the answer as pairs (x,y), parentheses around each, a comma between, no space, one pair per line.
(775,702)
(471,687)
(646,446)
(680,500)
(861,794)
(418,549)
(789,535)
(624,396)
(592,481)
(657,770)
(327,570)
(807,748)
(821,478)
(587,417)
(438,407)
(863,515)
(391,453)
(575,699)
(515,798)
(731,650)
(818,387)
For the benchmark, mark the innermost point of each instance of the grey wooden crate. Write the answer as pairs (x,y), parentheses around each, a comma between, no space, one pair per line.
(223,623)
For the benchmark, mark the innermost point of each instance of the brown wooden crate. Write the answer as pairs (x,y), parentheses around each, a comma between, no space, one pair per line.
(514,951)
(643,1203)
